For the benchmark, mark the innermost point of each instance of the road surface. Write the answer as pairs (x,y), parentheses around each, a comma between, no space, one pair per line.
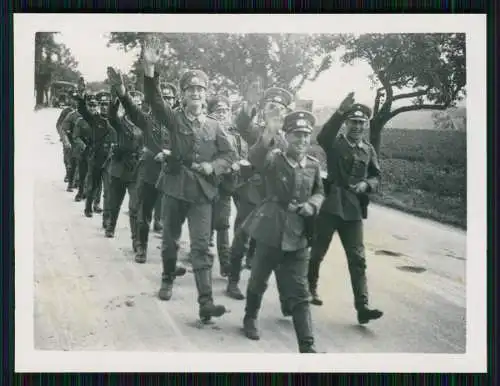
(91,295)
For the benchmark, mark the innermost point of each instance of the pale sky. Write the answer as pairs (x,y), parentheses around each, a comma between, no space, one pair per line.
(90,50)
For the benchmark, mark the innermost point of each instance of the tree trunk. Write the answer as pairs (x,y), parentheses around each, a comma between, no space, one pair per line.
(376,127)
(40,91)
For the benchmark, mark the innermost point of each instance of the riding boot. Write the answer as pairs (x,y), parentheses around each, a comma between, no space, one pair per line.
(302,323)
(252,308)
(208,309)
(223,251)
(312,277)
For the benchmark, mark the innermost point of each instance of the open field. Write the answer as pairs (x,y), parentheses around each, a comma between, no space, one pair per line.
(424,172)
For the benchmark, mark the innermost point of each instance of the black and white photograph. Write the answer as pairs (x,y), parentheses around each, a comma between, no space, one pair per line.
(191,187)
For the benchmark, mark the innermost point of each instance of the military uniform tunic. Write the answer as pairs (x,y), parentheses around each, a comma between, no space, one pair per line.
(187,193)
(343,209)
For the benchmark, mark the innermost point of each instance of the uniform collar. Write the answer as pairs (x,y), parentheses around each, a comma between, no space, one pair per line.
(294,164)
(359,145)
(191,118)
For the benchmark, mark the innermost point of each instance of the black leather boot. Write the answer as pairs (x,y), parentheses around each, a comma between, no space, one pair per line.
(366,314)
(302,323)
(312,277)
(167,284)
(233,291)
(208,309)
(252,308)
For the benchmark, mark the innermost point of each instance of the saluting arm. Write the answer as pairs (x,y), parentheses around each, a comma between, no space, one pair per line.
(330,130)
(162,112)
(136,115)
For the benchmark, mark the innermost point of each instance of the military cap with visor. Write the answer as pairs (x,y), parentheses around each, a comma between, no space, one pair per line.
(193,78)
(165,86)
(217,102)
(103,97)
(359,112)
(302,121)
(277,95)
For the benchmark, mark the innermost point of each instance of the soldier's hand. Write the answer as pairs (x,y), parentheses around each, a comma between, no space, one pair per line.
(253,93)
(151,50)
(307,210)
(66,145)
(116,80)
(160,157)
(346,103)
(360,187)
(235,167)
(206,168)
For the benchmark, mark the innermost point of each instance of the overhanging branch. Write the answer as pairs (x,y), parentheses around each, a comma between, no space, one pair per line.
(405,109)
(412,94)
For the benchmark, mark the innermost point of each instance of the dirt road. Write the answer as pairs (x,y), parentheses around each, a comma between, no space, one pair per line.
(90,295)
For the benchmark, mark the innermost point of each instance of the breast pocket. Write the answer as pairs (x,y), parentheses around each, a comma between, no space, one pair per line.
(359,166)
(205,145)
(306,181)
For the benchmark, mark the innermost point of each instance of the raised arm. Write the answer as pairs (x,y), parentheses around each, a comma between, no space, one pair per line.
(113,114)
(162,112)
(331,128)
(134,113)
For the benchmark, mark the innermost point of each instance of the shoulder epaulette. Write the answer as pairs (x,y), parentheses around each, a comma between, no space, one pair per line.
(312,158)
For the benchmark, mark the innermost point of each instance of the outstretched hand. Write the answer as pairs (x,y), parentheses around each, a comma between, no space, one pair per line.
(116,80)
(346,103)
(151,50)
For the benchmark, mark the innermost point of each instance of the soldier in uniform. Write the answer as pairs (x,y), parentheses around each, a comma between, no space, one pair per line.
(353,172)
(82,137)
(66,128)
(64,113)
(155,139)
(169,95)
(104,100)
(274,101)
(122,170)
(101,138)
(219,108)
(200,153)
(281,223)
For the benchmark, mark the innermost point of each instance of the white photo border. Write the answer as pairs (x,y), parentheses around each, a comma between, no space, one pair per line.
(27,359)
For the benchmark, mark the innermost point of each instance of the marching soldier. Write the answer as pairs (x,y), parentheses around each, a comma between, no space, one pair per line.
(169,95)
(353,172)
(60,119)
(220,109)
(122,170)
(101,138)
(275,102)
(281,223)
(66,131)
(104,100)
(82,138)
(200,153)
(155,139)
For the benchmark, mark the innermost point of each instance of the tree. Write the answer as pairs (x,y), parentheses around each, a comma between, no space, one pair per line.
(53,61)
(233,60)
(411,72)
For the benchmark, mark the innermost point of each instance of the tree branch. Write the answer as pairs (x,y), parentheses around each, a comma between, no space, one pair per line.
(411,94)
(405,109)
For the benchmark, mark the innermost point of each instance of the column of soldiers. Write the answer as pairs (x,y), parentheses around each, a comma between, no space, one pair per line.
(179,153)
